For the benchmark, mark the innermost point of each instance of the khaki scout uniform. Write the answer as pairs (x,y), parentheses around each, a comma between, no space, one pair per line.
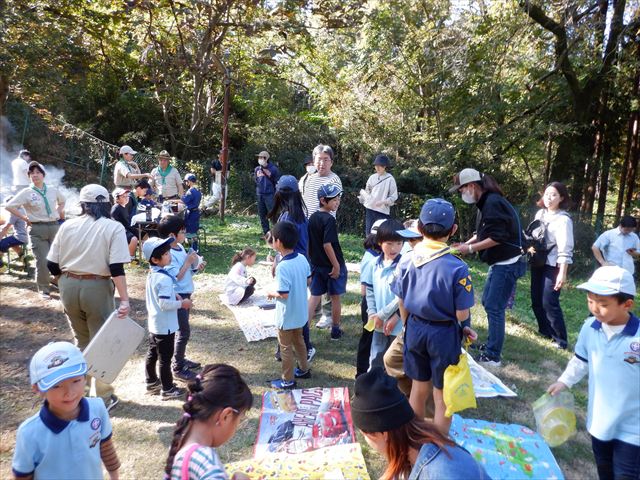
(44,225)
(120,172)
(84,248)
(169,186)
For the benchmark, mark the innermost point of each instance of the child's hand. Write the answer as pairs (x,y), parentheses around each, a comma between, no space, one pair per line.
(335,272)
(470,333)
(192,257)
(390,325)
(178,297)
(377,321)
(186,303)
(251,281)
(202,265)
(556,388)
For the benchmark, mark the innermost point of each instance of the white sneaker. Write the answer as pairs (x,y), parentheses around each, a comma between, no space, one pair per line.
(311,353)
(324,322)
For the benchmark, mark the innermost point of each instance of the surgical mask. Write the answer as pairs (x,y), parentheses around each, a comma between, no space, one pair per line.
(262,162)
(468,198)
(310,169)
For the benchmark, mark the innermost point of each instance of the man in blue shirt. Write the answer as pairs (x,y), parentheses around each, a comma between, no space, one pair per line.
(618,246)
(266,176)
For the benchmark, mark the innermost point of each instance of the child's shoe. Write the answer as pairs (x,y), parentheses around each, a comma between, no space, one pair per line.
(111,402)
(311,353)
(486,361)
(336,332)
(175,393)
(154,388)
(324,322)
(283,384)
(297,373)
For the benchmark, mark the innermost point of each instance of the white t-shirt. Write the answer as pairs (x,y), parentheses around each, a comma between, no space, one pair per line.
(20,169)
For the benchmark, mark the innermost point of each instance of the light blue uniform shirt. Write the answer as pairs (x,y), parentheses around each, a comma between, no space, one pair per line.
(291,276)
(614,245)
(378,280)
(178,257)
(161,289)
(52,448)
(614,380)
(366,262)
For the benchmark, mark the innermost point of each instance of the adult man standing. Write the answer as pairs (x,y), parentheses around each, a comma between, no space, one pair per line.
(20,170)
(88,254)
(618,246)
(309,185)
(165,179)
(266,175)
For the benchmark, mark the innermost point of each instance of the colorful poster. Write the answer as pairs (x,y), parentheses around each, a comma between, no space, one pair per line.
(297,421)
(506,451)
(485,383)
(344,461)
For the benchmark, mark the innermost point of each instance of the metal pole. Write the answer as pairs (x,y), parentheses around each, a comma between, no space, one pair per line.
(224,157)
(103,169)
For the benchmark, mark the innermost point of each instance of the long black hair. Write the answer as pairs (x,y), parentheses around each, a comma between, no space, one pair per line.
(96,210)
(291,202)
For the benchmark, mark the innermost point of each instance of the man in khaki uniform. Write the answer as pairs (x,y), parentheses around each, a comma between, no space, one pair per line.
(88,255)
(165,179)
(44,207)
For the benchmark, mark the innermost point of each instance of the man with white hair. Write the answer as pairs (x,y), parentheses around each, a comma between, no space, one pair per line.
(88,255)
(20,170)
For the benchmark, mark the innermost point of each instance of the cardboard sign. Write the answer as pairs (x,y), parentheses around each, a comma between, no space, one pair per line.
(112,346)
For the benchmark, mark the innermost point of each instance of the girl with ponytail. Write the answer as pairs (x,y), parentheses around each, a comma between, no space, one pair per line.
(216,403)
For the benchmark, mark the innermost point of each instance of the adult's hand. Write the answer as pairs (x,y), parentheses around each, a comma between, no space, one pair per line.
(123,309)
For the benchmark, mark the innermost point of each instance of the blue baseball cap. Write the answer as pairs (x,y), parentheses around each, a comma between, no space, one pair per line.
(287,183)
(439,212)
(152,243)
(190,177)
(330,190)
(54,363)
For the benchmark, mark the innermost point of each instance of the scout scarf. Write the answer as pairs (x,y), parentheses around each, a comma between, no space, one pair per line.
(164,173)
(43,194)
(126,164)
(428,250)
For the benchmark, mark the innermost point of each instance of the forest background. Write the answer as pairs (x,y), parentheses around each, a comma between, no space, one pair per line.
(529,91)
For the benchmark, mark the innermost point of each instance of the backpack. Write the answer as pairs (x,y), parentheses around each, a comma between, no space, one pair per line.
(535,245)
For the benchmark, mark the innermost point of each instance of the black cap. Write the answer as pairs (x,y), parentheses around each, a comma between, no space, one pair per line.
(378,405)
(382,160)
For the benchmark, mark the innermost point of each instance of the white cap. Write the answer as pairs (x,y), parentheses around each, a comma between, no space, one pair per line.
(465,176)
(119,191)
(152,243)
(264,154)
(93,193)
(54,363)
(127,149)
(376,225)
(610,280)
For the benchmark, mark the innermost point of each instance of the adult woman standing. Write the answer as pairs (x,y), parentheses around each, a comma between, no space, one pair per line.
(498,243)
(379,194)
(413,447)
(548,280)
(44,207)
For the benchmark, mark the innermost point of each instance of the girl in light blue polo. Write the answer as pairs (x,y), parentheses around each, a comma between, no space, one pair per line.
(58,372)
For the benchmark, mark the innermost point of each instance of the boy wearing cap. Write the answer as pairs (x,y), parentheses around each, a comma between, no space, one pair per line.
(266,175)
(162,307)
(57,371)
(436,294)
(608,349)
(191,200)
(329,271)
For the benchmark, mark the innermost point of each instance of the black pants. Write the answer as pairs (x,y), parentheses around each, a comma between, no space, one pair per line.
(160,348)
(545,302)
(182,336)
(247,293)
(364,345)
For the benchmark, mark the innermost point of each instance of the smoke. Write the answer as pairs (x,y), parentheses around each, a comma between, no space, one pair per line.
(54,175)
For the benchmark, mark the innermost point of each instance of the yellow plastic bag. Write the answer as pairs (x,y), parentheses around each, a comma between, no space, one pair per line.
(458,390)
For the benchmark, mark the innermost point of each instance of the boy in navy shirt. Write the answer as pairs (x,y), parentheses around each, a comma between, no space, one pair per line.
(329,272)
(191,200)
(292,275)
(58,372)
(436,294)
(608,349)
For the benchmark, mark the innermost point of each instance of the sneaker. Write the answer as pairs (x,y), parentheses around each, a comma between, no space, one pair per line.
(111,402)
(297,373)
(487,361)
(283,384)
(175,393)
(336,332)
(154,388)
(191,365)
(185,374)
(324,322)
(311,353)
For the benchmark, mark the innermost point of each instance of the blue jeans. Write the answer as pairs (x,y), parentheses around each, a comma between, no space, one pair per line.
(545,303)
(265,205)
(616,459)
(500,282)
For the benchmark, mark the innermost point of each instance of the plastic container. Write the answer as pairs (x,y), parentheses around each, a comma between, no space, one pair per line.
(555,417)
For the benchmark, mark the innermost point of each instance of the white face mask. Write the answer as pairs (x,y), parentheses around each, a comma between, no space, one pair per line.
(468,198)
(311,169)
(262,162)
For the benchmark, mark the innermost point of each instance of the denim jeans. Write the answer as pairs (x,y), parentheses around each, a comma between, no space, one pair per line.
(500,282)
(265,204)
(545,303)
(616,459)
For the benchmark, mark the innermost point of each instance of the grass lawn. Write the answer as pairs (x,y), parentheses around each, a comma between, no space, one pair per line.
(143,424)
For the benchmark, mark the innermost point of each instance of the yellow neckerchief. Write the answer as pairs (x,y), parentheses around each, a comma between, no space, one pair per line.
(428,250)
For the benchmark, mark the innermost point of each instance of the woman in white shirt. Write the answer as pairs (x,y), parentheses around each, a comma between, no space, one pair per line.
(548,280)
(379,194)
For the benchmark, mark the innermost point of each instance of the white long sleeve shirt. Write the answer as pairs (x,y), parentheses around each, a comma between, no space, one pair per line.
(382,193)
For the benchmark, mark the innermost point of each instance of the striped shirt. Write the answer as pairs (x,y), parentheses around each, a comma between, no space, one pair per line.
(309,185)
(204,464)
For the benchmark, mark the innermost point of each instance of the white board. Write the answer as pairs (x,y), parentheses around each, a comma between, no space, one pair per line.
(111,347)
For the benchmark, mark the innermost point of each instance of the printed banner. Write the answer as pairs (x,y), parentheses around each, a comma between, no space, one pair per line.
(256,323)
(506,451)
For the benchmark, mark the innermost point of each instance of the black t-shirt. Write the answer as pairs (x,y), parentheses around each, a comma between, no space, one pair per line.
(121,215)
(323,228)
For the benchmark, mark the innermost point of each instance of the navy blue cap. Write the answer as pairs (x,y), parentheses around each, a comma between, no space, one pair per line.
(287,183)
(330,190)
(438,211)
(307,160)
(190,177)
(382,160)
